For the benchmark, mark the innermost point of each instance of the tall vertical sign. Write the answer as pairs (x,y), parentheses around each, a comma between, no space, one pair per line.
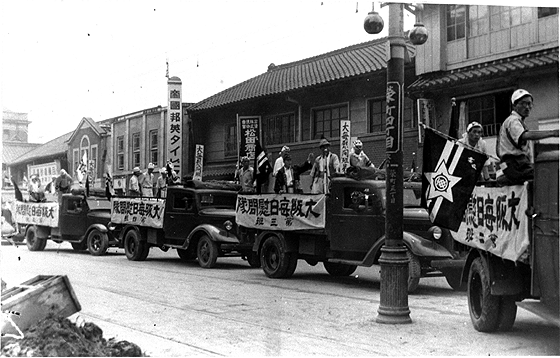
(249,130)
(344,145)
(174,123)
(198,158)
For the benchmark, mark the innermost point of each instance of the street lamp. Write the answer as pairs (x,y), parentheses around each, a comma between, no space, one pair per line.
(393,306)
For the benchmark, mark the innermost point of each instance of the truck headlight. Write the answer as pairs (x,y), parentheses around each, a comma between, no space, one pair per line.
(228,225)
(435,232)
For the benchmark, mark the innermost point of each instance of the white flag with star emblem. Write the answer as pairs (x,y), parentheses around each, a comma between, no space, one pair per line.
(449,174)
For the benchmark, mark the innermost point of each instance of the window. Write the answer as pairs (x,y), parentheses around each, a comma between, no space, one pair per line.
(456,21)
(230,142)
(478,20)
(546,11)
(136,149)
(280,129)
(504,17)
(326,121)
(75,160)
(154,146)
(92,165)
(489,110)
(120,153)
(377,115)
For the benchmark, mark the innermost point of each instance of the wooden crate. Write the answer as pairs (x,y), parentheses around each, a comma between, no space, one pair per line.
(33,300)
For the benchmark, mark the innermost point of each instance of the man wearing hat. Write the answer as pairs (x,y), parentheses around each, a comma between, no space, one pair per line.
(324,168)
(245,175)
(512,146)
(134,186)
(161,184)
(358,158)
(473,139)
(287,178)
(146,182)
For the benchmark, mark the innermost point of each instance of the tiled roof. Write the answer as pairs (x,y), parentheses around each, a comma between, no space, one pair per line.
(54,147)
(11,151)
(364,58)
(497,68)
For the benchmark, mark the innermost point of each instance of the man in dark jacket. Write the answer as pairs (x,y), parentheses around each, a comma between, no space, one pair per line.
(287,178)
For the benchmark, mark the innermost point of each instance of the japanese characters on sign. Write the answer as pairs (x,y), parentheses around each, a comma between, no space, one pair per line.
(495,221)
(281,211)
(138,211)
(46,171)
(393,123)
(426,115)
(344,145)
(44,214)
(174,123)
(249,128)
(198,158)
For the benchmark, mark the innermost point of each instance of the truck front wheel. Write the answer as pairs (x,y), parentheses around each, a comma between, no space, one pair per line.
(338,269)
(97,242)
(484,308)
(134,248)
(33,242)
(207,252)
(275,261)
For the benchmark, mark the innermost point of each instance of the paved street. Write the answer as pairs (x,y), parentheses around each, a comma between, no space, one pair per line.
(172,308)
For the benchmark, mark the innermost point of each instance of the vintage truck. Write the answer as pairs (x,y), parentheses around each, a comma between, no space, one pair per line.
(512,234)
(197,219)
(343,230)
(79,219)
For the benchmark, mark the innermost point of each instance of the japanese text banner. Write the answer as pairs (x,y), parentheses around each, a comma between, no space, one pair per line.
(44,214)
(281,211)
(495,221)
(137,211)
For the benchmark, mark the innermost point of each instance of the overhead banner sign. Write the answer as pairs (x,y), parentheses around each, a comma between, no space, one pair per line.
(198,159)
(281,211)
(344,145)
(495,221)
(43,214)
(138,211)
(174,123)
(249,131)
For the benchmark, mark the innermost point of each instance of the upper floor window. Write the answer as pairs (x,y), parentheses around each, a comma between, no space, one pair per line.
(546,11)
(120,152)
(504,17)
(489,110)
(280,129)
(377,115)
(456,22)
(136,149)
(326,121)
(479,20)
(230,140)
(154,146)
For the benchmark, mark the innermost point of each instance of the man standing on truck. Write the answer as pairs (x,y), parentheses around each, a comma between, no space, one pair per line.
(473,138)
(245,175)
(325,166)
(161,184)
(358,158)
(146,182)
(512,146)
(287,178)
(134,186)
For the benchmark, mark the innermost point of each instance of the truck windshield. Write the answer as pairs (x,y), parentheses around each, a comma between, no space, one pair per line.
(98,204)
(218,200)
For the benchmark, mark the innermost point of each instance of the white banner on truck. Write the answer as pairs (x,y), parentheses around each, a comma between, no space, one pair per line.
(138,211)
(495,221)
(281,211)
(44,214)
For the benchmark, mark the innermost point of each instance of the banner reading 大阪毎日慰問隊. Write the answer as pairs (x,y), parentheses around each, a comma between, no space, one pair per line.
(281,211)
(495,221)
(44,214)
(138,211)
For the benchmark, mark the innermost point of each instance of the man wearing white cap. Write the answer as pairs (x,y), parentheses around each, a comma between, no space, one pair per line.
(358,158)
(512,146)
(134,186)
(473,138)
(147,182)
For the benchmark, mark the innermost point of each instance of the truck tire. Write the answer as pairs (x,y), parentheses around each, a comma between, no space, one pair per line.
(207,252)
(186,255)
(414,271)
(97,242)
(32,241)
(134,248)
(275,261)
(483,307)
(79,246)
(507,313)
(338,269)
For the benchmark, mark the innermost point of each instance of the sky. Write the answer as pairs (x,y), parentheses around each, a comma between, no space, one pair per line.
(65,60)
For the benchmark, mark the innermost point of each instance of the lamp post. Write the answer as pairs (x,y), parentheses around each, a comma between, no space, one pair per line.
(393,306)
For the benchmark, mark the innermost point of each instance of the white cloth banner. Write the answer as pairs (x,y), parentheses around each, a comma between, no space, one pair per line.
(286,212)
(138,211)
(44,214)
(495,221)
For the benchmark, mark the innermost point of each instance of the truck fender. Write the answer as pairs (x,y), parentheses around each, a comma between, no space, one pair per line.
(215,234)
(506,276)
(99,227)
(416,244)
(127,228)
(291,243)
